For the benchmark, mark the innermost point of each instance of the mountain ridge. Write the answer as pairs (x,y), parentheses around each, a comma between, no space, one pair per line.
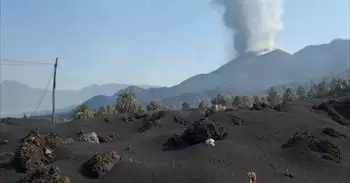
(18,98)
(253,73)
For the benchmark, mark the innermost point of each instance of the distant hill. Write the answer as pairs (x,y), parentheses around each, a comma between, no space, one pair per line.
(250,73)
(17,98)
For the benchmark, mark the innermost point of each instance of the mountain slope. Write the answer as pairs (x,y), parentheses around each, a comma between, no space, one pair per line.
(251,73)
(17,98)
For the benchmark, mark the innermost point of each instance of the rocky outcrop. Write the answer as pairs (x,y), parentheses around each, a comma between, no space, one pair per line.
(202,130)
(48,174)
(100,164)
(90,137)
(333,106)
(332,132)
(37,151)
(305,142)
(36,156)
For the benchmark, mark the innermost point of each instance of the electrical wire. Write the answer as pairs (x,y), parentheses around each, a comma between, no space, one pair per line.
(12,61)
(41,99)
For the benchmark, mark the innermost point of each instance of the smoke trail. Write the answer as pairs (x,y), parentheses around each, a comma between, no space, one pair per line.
(254,23)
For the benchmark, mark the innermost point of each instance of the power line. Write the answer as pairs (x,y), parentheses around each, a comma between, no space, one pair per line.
(41,99)
(22,64)
(24,61)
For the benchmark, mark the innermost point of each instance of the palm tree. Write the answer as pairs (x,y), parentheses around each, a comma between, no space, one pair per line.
(127,103)
(83,112)
(203,106)
(155,105)
(105,111)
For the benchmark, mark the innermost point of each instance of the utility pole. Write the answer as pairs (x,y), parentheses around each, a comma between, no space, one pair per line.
(53,92)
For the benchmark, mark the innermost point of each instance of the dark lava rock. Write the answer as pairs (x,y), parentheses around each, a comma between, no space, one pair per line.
(288,174)
(103,139)
(296,139)
(129,118)
(202,130)
(149,124)
(260,106)
(101,164)
(332,132)
(307,142)
(140,115)
(175,140)
(131,148)
(341,106)
(4,142)
(112,135)
(326,147)
(9,121)
(209,112)
(37,151)
(181,120)
(107,119)
(80,133)
(49,174)
(230,109)
(237,120)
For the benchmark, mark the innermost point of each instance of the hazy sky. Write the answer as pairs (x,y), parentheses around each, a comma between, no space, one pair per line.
(158,42)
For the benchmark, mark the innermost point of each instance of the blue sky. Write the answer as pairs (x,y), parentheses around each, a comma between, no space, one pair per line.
(158,42)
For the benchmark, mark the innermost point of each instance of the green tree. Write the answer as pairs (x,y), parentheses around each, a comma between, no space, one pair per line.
(345,84)
(273,97)
(105,111)
(245,101)
(237,101)
(263,100)
(154,105)
(301,93)
(289,96)
(127,103)
(312,93)
(323,89)
(185,106)
(256,100)
(82,111)
(203,106)
(333,84)
(219,99)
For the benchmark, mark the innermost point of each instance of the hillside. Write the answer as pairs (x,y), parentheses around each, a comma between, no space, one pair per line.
(17,98)
(251,74)
(259,141)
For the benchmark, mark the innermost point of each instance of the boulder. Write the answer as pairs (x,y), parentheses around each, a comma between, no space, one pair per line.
(305,142)
(237,120)
(103,139)
(260,106)
(67,141)
(100,164)
(180,120)
(327,148)
(209,112)
(49,174)
(332,132)
(202,130)
(37,151)
(90,137)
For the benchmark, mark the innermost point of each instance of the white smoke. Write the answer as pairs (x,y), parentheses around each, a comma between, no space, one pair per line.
(254,23)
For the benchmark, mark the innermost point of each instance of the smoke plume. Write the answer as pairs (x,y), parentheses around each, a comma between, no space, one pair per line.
(254,23)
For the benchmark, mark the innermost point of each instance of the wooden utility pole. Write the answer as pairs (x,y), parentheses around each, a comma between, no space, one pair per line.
(53,92)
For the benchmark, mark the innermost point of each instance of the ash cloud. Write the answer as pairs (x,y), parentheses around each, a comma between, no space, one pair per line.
(254,23)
